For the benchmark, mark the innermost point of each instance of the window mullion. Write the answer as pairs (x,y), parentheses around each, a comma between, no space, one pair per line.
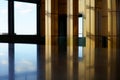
(10,17)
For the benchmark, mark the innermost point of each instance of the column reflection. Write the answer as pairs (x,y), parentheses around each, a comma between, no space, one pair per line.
(70,62)
(58,60)
(101,63)
(48,71)
(51,62)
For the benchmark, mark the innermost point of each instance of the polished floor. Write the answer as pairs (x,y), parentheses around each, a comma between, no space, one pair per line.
(58,62)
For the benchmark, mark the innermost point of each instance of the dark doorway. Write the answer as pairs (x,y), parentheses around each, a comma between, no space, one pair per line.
(62,33)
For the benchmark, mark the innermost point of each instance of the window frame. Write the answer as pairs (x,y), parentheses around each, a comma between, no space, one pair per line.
(11,36)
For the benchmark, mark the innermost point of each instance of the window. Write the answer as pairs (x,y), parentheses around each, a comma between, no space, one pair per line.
(25,18)
(19,19)
(3,17)
(80,26)
(81,39)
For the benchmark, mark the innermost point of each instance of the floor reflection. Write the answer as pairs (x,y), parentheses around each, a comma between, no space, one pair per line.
(80,52)
(51,62)
(25,62)
(3,61)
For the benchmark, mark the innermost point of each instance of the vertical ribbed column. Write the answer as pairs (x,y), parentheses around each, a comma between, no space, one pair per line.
(104,19)
(112,37)
(109,35)
(88,38)
(114,25)
(48,22)
(81,64)
(70,22)
(70,39)
(104,34)
(92,38)
(75,38)
(54,21)
(48,39)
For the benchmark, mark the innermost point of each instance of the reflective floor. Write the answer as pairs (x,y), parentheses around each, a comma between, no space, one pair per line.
(58,62)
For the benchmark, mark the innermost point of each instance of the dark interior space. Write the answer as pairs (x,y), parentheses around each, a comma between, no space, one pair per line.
(62,34)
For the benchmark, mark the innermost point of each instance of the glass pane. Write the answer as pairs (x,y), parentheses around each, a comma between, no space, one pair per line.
(25,18)
(80,34)
(3,17)
(3,61)
(80,26)
(25,62)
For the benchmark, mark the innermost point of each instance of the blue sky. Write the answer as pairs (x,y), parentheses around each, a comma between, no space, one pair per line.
(3,16)
(25,18)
